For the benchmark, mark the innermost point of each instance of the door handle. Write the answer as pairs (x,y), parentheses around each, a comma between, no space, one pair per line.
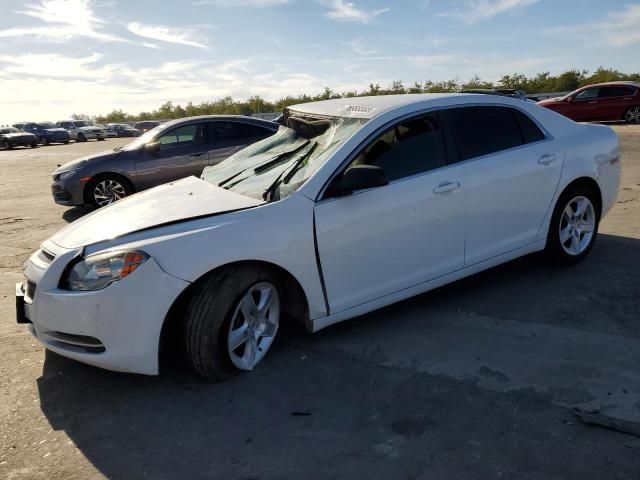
(547,159)
(197,154)
(446,187)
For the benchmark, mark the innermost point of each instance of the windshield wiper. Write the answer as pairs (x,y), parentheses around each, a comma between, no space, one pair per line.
(265,165)
(287,174)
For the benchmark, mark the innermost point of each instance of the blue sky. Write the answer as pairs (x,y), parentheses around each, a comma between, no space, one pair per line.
(90,56)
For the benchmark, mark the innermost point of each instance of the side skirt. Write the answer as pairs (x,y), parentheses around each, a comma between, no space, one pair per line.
(320,323)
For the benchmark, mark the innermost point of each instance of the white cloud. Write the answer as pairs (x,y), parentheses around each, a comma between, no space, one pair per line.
(66,19)
(348,12)
(620,29)
(181,36)
(56,66)
(242,3)
(360,47)
(476,10)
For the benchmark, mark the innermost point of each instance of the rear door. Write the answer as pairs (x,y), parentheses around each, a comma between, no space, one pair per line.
(613,101)
(227,137)
(182,153)
(511,170)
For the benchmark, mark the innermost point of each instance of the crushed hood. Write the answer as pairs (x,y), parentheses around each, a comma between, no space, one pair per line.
(182,200)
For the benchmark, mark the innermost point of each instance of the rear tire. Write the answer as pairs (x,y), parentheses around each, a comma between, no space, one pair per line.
(44,140)
(574,226)
(6,145)
(34,144)
(100,139)
(632,115)
(221,340)
(81,138)
(66,142)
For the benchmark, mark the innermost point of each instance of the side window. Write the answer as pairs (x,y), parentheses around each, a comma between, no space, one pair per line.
(253,131)
(611,92)
(530,131)
(223,132)
(411,147)
(181,137)
(588,94)
(484,130)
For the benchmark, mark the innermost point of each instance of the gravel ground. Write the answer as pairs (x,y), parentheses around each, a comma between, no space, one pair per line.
(478,379)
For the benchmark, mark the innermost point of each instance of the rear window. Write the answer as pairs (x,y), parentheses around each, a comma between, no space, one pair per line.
(608,92)
(530,131)
(485,130)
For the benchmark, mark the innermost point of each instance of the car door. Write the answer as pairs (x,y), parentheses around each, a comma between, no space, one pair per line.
(227,137)
(181,152)
(382,240)
(612,102)
(584,105)
(511,170)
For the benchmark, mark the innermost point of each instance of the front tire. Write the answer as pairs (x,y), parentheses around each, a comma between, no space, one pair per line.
(232,321)
(574,226)
(44,140)
(81,138)
(106,189)
(34,144)
(632,115)
(6,145)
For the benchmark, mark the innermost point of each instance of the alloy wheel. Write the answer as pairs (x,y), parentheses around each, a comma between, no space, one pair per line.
(633,115)
(108,191)
(577,224)
(254,325)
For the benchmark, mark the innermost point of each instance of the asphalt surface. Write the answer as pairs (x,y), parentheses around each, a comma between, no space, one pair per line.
(480,379)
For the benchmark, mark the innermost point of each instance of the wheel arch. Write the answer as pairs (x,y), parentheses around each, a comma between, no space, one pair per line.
(589,183)
(296,303)
(85,189)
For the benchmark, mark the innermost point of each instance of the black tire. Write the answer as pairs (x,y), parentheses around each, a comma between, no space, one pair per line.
(100,139)
(89,197)
(208,319)
(6,145)
(81,138)
(44,140)
(632,115)
(34,144)
(554,248)
(66,142)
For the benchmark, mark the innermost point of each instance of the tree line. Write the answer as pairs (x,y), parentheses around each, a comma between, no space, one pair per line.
(542,82)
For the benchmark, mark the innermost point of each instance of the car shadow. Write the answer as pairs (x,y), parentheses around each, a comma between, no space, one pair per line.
(303,411)
(73,214)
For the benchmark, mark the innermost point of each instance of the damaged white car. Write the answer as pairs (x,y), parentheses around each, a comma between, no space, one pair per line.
(352,205)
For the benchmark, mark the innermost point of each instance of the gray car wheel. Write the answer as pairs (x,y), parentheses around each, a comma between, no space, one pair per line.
(632,115)
(106,189)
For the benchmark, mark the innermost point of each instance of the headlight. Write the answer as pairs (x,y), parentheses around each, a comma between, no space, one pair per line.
(64,175)
(98,271)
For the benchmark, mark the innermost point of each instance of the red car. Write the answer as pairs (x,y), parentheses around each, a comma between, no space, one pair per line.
(600,102)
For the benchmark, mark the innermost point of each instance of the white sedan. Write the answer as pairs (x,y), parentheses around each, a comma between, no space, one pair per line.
(353,205)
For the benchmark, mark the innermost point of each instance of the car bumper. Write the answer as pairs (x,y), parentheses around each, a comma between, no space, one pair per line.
(68,192)
(113,328)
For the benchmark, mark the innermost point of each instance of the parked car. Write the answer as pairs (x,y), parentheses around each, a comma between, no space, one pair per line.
(45,132)
(357,203)
(107,133)
(12,137)
(171,151)
(599,102)
(123,130)
(146,125)
(82,130)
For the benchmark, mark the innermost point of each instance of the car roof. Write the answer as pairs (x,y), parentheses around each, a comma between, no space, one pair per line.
(370,107)
(626,83)
(235,118)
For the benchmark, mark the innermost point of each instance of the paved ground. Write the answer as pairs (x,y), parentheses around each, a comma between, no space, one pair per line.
(475,380)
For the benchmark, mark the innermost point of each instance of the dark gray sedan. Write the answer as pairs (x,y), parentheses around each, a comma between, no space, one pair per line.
(172,150)
(12,137)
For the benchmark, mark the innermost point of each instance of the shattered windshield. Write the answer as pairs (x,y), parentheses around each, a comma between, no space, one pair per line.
(278,165)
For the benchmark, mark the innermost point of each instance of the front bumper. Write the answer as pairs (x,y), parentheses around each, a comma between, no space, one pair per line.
(116,328)
(68,192)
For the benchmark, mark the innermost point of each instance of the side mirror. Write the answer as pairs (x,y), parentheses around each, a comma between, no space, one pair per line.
(153,147)
(358,177)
